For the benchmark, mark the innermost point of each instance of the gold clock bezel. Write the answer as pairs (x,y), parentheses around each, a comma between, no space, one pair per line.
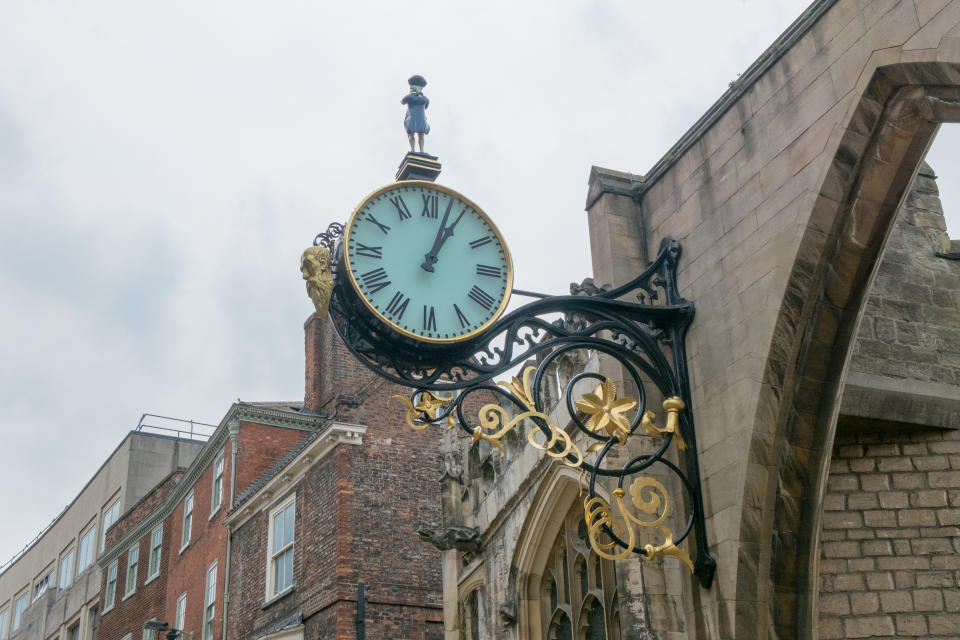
(381,317)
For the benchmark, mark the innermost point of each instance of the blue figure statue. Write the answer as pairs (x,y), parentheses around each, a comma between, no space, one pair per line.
(417,103)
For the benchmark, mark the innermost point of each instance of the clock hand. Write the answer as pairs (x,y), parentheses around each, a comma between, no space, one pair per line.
(443,234)
(430,258)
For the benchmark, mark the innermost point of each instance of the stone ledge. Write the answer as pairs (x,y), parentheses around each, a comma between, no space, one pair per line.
(949,248)
(872,402)
(603,181)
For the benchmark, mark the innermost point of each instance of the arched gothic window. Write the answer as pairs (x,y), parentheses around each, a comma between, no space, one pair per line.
(579,589)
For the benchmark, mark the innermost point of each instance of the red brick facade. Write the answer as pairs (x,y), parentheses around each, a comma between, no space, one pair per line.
(183,568)
(149,600)
(356,514)
(208,544)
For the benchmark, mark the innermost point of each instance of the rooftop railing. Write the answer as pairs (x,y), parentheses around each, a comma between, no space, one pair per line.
(176,427)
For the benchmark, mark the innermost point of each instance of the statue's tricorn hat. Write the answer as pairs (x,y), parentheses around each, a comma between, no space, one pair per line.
(417,81)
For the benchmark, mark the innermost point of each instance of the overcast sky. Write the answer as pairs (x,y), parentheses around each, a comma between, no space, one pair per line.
(163,165)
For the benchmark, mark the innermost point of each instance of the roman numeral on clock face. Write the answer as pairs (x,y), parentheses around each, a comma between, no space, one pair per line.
(375,280)
(398,304)
(429,319)
(479,242)
(486,270)
(430,204)
(401,206)
(383,227)
(369,252)
(464,322)
(481,297)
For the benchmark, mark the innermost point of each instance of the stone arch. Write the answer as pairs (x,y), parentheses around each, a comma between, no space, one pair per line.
(554,508)
(885,139)
(549,508)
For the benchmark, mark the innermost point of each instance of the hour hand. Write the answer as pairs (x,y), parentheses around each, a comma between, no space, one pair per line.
(430,258)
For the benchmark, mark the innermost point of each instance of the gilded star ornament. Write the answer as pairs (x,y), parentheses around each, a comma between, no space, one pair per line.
(419,415)
(606,412)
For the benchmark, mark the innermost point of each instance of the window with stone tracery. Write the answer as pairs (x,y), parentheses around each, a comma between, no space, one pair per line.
(578,593)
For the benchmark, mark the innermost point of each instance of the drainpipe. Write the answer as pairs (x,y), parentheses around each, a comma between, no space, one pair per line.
(361,611)
(234,427)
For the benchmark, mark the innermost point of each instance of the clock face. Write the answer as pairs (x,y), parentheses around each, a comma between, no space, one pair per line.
(427,262)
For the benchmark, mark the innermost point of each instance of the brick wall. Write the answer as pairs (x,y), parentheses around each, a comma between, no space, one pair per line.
(143,508)
(315,556)
(128,615)
(185,570)
(357,513)
(259,449)
(149,600)
(890,563)
(389,490)
(891,519)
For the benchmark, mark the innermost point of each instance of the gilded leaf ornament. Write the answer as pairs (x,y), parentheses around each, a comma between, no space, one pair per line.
(648,504)
(606,412)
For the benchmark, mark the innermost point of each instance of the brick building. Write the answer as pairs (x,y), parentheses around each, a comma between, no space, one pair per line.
(354,493)
(166,558)
(284,511)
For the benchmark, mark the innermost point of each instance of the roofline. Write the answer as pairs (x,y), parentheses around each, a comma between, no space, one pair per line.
(738,88)
(239,411)
(287,476)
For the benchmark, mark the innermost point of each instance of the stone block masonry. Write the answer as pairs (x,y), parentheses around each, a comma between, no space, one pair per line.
(890,558)
(782,196)
(911,328)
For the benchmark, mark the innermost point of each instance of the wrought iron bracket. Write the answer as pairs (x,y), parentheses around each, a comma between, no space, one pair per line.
(641,325)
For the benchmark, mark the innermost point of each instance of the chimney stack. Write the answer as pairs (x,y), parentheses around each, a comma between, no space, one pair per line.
(330,369)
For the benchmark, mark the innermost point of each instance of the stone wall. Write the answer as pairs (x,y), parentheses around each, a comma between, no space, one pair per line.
(782,196)
(911,328)
(891,516)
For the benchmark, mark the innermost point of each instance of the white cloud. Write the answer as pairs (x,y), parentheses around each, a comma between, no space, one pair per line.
(162,166)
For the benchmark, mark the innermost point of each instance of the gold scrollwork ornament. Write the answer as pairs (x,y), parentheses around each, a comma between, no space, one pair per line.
(673,406)
(649,496)
(495,423)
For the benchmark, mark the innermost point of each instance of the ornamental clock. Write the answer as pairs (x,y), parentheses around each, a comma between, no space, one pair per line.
(426,263)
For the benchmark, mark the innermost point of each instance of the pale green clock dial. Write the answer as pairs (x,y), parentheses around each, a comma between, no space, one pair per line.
(427,262)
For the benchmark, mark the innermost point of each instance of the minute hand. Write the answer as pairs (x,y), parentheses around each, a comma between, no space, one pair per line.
(430,258)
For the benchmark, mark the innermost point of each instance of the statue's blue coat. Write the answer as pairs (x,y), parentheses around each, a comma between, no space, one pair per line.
(416,120)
